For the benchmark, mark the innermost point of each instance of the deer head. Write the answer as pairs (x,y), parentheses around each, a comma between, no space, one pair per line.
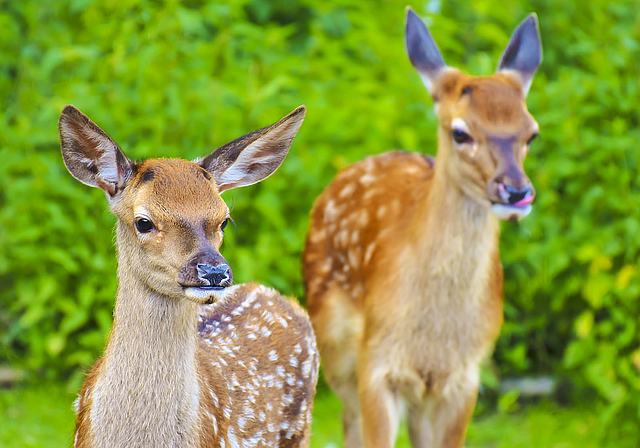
(171,218)
(485,127)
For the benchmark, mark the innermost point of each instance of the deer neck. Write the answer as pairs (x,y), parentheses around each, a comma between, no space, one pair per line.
(147,388)
(456,234)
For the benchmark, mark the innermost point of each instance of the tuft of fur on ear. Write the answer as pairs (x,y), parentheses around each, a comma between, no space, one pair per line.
(90,155)
(423,51)
(254,156)
(523,54)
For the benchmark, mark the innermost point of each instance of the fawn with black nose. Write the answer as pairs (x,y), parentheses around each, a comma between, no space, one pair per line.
(179,370)
(401,264)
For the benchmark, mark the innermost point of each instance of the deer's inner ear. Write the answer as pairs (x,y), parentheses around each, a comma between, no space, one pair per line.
(90,155)
(254,156)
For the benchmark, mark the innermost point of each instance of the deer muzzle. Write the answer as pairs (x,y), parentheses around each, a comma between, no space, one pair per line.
(512,199)
(205,277)
(217,276)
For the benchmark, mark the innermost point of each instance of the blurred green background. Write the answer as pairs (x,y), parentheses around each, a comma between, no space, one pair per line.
(180,78)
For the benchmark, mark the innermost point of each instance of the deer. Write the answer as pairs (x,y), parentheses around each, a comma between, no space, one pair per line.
(192,360)
(401,262)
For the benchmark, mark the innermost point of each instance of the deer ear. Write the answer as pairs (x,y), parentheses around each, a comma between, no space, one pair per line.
(254,156)
(423,51)
(90,155)
(523,54)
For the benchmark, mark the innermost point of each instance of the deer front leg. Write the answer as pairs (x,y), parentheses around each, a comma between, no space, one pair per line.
(421,431)
(441,422)
(351,428)
(379,408)
(453,420)
(346,388)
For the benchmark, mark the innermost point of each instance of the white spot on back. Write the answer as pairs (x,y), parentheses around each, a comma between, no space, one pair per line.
(367,179)
(347,191)
(341,238)
(326,266)
(369,252)
(363,218)
(331,212)
(317,235)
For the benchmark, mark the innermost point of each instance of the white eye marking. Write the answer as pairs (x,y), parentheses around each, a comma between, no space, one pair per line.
(458,124)
(142,212)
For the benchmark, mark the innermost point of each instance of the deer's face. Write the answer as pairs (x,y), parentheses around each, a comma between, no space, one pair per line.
(171,218)
(174,219)
(487,129)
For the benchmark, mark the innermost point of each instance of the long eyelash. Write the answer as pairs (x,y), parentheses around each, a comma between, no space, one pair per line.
(228,220)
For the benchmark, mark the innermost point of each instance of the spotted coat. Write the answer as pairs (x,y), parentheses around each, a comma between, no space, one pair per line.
(257,365)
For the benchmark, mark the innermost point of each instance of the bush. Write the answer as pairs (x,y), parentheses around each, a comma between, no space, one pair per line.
(178,79)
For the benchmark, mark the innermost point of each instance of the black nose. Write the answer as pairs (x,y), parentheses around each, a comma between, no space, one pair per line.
(219,275)
(517,194)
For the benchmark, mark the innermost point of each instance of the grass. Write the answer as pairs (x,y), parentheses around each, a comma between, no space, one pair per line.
(41,416)
(544,425)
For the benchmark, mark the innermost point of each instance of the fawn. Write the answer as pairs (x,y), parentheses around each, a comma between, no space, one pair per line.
(177,370)
(401,263)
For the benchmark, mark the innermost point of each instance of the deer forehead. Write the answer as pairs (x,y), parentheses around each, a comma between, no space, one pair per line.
(492,104)
(177,190)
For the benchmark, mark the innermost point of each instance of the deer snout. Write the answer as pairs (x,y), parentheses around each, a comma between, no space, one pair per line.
(511,200)
(219,275)
(516,196)
(206,278)
(206,270)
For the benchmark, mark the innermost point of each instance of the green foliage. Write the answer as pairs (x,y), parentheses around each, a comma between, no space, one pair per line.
(572,281)
(179,78)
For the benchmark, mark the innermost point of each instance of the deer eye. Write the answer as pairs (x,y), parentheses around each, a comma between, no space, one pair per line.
(224,224)
(461,137)
(144,225)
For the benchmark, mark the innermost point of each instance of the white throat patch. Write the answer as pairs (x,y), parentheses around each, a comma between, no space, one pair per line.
(509,212)
(202,295)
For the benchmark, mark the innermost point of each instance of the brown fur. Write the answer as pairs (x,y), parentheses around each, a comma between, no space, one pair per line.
(402,269)
(177,372)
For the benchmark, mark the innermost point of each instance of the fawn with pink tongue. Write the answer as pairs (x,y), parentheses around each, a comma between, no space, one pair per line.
(401,263)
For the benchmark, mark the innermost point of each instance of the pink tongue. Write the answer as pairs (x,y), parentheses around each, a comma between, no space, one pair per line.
(524,201)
